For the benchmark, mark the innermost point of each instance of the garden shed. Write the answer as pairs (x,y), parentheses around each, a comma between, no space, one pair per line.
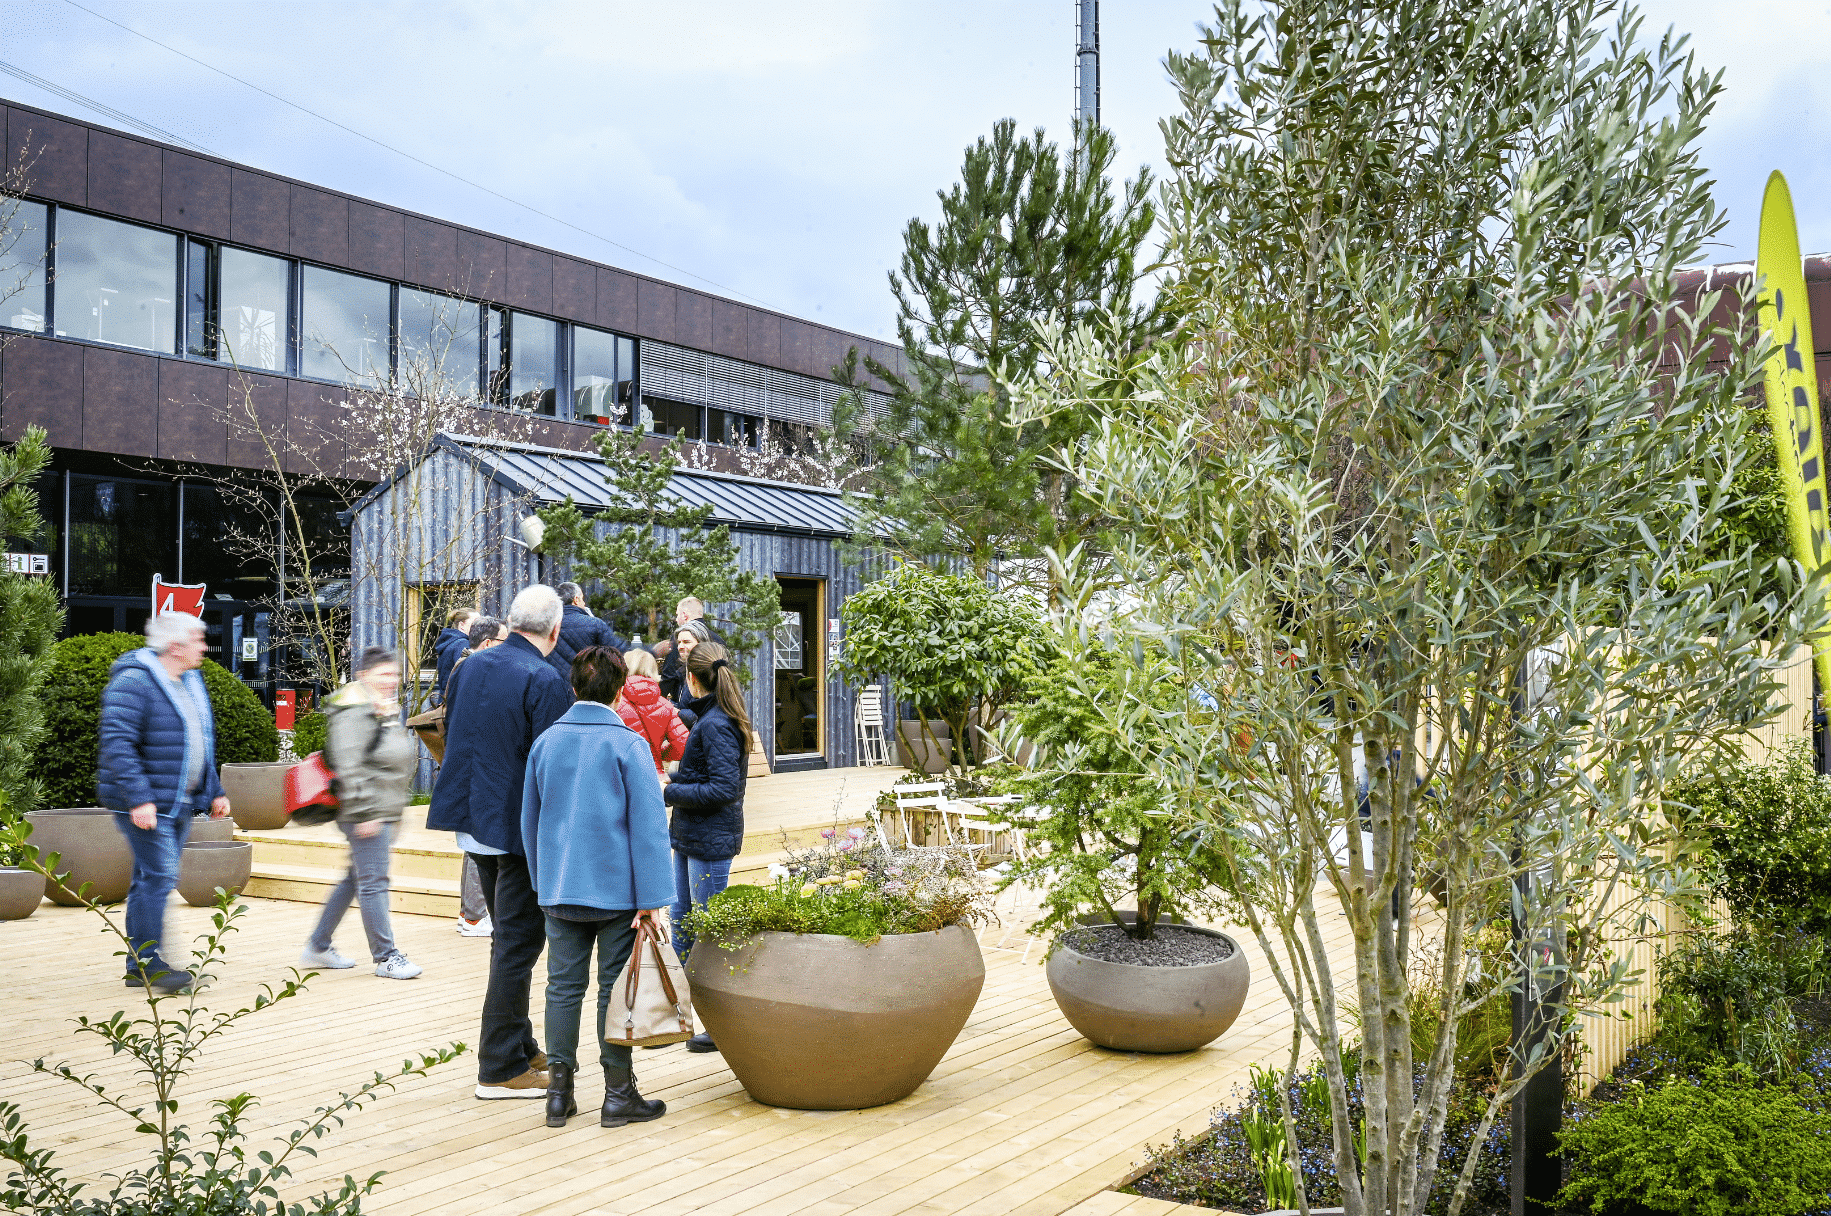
(445,531)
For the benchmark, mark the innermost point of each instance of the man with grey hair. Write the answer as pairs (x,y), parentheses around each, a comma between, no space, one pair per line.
(579,629)
(497,703)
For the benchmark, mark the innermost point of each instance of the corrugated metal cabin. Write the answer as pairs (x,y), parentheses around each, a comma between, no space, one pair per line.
(444,531)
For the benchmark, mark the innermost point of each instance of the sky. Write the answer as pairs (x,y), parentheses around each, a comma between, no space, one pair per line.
(771,152)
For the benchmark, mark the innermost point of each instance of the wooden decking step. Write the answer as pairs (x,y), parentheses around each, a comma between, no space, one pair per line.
(414,896)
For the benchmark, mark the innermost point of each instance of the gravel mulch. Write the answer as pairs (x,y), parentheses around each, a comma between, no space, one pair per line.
(1168,947)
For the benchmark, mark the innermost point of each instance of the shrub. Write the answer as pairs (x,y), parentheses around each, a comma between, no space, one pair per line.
(1767,829)
(1725,1147)
(308,733)
(66,755)
(1730,998)
(30,616)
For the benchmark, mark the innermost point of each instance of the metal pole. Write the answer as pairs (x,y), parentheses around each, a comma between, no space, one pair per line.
(1087,63)
(1538,1109)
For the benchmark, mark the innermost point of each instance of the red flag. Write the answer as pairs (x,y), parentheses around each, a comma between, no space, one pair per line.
(177,597)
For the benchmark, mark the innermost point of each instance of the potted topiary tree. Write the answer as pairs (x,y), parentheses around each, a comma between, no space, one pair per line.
(1118,876)
(841,986)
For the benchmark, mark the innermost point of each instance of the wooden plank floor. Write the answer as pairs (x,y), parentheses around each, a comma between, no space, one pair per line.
(1023,1116)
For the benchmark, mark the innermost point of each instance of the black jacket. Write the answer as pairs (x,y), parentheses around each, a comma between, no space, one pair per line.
(674,672)
(577,630)
(451,644)
(498,702)
(707,793)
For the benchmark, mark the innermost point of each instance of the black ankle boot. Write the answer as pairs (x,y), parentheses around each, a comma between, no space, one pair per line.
(622,1104)
(560,1102)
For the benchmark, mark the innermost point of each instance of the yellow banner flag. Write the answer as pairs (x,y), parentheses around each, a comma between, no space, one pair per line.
(1792,386)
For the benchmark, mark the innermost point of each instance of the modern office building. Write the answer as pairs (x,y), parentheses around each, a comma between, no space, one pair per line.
(153,284)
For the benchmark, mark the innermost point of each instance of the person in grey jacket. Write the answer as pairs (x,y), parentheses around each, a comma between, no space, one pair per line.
(374,758)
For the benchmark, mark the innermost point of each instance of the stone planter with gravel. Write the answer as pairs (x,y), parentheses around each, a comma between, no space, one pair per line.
(1176,992)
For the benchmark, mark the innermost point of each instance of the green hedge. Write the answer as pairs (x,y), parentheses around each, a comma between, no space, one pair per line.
(308,733)
(245,732)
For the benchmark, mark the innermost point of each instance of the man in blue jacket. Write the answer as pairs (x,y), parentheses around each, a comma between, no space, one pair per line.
(156,768)
(579,629)
(497,703)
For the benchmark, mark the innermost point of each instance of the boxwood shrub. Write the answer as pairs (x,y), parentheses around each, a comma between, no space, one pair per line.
(66,754)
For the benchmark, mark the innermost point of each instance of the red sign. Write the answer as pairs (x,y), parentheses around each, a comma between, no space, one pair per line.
(283,709)
(177,597)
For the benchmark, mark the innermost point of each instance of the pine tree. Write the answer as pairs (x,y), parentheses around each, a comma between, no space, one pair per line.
(652,550)
(30,618)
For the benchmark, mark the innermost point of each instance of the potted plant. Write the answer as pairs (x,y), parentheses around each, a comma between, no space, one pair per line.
(843,984)
(1118,878)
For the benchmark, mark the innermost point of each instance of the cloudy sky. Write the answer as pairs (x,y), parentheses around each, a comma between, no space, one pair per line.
(771,151)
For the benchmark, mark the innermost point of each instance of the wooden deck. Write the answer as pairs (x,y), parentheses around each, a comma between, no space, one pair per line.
(1022,1116)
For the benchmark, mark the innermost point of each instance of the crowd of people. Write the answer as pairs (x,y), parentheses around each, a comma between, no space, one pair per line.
(592,786)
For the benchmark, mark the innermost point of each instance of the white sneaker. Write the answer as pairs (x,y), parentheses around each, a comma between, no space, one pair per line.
(475,928)
(325,960)
(396,967)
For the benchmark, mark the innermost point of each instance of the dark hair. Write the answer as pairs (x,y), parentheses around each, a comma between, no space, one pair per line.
(598,674)
(483,629)
(569,592)
(710,664)
(375,656)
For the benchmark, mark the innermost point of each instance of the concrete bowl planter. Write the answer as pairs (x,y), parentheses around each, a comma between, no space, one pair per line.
(205,829)
(93,851)
(210,864)
(815,1021)
(1131,1007)
(21,891)
(922,756)
(257,794)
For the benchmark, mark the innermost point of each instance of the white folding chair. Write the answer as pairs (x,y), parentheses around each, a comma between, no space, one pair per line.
(873,744)
(975,815)
(913,799)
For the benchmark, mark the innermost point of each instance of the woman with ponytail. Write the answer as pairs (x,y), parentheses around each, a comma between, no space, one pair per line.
(707,792)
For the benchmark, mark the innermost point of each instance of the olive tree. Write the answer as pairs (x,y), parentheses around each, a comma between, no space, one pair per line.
(1417,504)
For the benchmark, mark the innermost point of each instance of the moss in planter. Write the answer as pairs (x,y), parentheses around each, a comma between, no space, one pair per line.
(66,755)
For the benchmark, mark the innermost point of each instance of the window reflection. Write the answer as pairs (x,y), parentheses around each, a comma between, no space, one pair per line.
(671,418)
(121,534)
(603,376)
(345,326)
(533,362)
(733,430)
(438,344)
(22,265)
(200,300)
(228,540)
(255,313)
(116,282)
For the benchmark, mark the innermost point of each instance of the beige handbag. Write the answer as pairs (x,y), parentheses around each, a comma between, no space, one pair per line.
(653,1003)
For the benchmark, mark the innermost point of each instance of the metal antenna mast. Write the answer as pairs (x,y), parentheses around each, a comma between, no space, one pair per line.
(1087,63)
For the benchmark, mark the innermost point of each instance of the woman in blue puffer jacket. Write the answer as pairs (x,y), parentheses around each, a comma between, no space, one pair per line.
(707,792)
(156,768)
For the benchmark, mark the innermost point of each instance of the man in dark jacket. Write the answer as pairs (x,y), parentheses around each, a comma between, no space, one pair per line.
(156,768)
(673,667)
(452,642)
(498,702)
(579,629)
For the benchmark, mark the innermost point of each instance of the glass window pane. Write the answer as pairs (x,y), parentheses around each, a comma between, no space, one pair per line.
(346,326)
(22,264)
(256,309)
(199,317)
(597,385)
(228,542)
(438,344)
(533,359)
(121,534)
(672,418)
(734,430)
(116,282)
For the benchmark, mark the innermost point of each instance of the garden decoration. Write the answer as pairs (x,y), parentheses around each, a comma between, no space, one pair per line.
(95,856)
(841,986)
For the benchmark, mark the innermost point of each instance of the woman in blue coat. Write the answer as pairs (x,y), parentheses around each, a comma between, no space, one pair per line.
(596,835)
(707,791)
(156,768)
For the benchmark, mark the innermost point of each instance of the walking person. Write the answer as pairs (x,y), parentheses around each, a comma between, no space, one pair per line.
(498,702)
(374,758)
(596,834)
(707,792)
(579,629)
(648,713)
(473,912)
(156,767)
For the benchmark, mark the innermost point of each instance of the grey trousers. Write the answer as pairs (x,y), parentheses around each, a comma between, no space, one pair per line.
(367,883)
(470,893)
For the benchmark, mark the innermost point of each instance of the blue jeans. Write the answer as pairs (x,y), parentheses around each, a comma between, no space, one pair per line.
(695,882)
(156,853)
(569,945)
(366,882)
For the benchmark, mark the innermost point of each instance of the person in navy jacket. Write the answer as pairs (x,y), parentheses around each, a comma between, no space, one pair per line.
(452,642)
(156,768)
(596,834)
(579,629)
(707,792)
(497,703)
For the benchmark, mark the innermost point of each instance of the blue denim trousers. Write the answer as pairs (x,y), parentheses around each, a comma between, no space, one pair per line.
(569,944)
(695,882)
(367,883)
(156,851)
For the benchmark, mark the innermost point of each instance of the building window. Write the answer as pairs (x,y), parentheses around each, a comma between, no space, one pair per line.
(523,360)
(115,282)
(254,313)
(438,345)
(22,265)
(121,533)
(603,376)
(346,321)
(671,418)
(732,430)
(228,541)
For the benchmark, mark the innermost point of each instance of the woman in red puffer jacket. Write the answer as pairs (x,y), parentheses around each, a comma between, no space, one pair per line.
(648,713)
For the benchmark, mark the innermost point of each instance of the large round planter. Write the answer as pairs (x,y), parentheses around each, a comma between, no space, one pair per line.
(922,756)
(257,794)
(21,891)
(1128,1007)
(205,829)
(819,1022)
(212,864)
(93,849)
